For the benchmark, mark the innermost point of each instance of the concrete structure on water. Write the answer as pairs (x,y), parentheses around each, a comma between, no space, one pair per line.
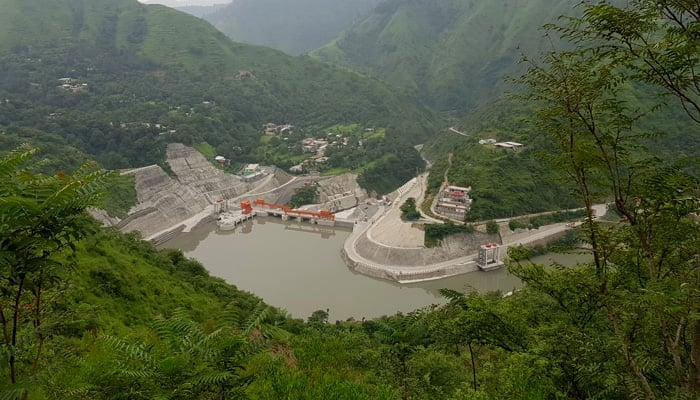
(263,208)
(229,219)
(488,257)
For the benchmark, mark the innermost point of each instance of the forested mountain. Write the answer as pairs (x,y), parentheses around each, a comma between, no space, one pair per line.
(87,313)
(452,53)
(117,79)
(293,26)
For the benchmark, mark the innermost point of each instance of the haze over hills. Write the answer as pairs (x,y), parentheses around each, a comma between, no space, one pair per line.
(201,11)
(132,70)
(293,26)
(452,53)
(185,3)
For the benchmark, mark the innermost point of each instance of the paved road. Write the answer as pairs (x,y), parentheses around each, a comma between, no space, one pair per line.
(383,230)
(403,274)
(452,129)
(387,230)
(135,170)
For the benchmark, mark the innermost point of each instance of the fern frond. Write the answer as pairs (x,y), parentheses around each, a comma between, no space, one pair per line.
(12,394)
(211,378)
(256,318)
(452,295)
(130,350)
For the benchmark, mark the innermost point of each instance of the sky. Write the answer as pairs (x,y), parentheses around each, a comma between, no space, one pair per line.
(181,3)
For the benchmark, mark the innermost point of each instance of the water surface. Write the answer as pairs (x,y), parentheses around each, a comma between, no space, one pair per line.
(297,267)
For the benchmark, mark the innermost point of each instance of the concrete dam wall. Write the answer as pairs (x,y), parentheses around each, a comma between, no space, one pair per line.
(166,201)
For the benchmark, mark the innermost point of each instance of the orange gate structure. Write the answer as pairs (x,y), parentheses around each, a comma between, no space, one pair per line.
(323,214)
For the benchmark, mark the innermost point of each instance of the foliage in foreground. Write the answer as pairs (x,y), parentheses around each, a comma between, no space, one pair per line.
(622,326)
(40,216)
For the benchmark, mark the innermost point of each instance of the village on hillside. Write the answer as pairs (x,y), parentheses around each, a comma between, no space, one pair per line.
(315,148)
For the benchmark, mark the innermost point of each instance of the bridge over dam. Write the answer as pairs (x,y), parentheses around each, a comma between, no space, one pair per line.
(229,218)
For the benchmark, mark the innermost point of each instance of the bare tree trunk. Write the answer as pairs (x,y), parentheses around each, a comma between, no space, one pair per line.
(3,320)
(471,355)
(37,324)
(694,367)
(15,324)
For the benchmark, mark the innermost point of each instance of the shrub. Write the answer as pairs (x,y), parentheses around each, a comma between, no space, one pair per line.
(492,228)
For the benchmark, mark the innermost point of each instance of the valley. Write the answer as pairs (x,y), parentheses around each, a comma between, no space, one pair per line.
(381,245)
(398,199)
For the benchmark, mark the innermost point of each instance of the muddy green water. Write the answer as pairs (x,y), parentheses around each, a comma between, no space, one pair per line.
(298,267)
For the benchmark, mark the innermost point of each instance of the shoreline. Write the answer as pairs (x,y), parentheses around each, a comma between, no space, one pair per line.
(357,262)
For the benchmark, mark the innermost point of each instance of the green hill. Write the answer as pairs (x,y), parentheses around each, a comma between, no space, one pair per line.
(293,26)
(139,76)
(452,53)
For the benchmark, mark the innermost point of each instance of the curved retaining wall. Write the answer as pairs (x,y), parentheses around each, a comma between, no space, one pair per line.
(406,275)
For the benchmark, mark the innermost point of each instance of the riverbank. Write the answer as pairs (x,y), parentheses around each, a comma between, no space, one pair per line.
(381,244)
(386,247)
(192,191)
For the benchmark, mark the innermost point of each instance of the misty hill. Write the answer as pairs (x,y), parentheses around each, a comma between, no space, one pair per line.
(200,11)
(452,53)
(293,26)
(118,79)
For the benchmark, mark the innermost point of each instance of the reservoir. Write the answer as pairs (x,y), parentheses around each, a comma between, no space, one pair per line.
(298,267)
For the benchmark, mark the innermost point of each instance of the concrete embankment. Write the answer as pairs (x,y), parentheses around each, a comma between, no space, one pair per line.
(165,202)
(386,247)
(169,204)
(454,256)
(408,274)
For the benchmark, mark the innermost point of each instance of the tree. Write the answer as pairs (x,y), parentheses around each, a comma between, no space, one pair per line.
(408,210)
(304,195)
(642,289)
(319,317)
(471,320)
(655,41)
(492,228)
(40,217)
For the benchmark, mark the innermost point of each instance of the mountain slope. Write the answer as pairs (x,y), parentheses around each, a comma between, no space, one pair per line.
(293,26)
(139,76)
(452,53)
